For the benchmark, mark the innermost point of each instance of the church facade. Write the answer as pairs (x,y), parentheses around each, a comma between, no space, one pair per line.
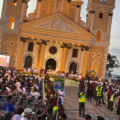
(55,37)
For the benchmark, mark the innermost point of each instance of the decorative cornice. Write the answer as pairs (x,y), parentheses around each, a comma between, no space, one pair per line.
(69,1)
(65,45)
(93,11)
(23,39)
(44,42)
(78,6)
(82,49)
(85,47)
(38,43)
(110,14)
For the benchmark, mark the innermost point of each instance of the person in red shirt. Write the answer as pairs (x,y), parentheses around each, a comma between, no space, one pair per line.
(109,93)
(118,107)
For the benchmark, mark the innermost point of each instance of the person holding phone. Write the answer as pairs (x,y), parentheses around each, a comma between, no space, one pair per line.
(82,97)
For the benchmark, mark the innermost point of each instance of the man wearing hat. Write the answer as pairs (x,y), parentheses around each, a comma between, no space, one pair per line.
(27,114)
(88,117)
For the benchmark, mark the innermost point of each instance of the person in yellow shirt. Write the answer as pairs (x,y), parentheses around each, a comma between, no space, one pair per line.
(82,97)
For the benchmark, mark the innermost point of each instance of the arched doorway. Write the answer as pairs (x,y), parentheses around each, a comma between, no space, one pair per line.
(73,68)
(50,64)
(28,62)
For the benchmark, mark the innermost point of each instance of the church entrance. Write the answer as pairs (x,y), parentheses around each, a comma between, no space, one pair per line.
(50,64)
(28,62)
(73,68)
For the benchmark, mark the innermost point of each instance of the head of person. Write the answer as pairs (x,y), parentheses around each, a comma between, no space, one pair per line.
(19,111)
(28,113)
(62,116)
(8,116)
(100,118)
(9,99)
(88,117)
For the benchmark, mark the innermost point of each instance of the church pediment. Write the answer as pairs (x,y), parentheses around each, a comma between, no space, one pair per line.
(57,24)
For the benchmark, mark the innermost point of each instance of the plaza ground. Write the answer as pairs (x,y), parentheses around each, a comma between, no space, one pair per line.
(71,104)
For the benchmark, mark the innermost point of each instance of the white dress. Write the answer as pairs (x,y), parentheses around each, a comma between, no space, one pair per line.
(62,98)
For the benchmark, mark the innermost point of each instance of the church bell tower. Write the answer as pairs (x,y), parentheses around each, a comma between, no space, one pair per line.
(99,20)
(13,13)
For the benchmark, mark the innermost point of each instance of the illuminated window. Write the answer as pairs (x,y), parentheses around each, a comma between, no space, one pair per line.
(98,36)
(12,22)
(101,14)
(14,3)
(94,67)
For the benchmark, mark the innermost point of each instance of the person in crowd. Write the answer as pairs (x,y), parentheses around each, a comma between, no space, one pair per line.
(8,116)
(89,92)
(82,97)
(35,92)
(27,114)
(88,117)
(62,116)
(7,106)
(98,90)
(18,115)
(100,118)
(109,93)
(111,101)
(42,113)
(61,95)
(118,107)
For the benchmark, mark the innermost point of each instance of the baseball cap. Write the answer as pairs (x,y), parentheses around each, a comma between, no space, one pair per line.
(28,111)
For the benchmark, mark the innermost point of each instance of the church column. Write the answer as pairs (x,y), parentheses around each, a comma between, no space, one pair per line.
(81,60)
(42,53)
(39,2)
(85,61)
(25,5)
(77,14)
(22,11)
(109,26)
(92,20)
(68,7)
(49,7)
(36,54)
(64,56)
(19,59)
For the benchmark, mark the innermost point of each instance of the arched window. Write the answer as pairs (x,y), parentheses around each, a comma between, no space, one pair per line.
(14,3)
(12,22)
(98,36)
(101,14)
(94,67)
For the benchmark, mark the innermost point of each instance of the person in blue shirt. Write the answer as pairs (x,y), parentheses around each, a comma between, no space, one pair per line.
(7,106)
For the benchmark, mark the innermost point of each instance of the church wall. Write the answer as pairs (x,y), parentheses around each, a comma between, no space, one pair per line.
(95,59)
(100,23)
(57,57)
(9,44)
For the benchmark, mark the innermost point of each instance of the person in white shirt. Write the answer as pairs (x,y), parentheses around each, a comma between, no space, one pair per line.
(18,84)
(61,95)
(35,85)
(35,93)
(27,114)
(19,115)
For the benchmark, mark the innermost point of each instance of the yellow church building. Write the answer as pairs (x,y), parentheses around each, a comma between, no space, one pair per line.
(55,37)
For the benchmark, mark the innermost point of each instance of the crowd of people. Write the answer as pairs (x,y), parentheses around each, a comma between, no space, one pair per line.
(22,97)
(103,92)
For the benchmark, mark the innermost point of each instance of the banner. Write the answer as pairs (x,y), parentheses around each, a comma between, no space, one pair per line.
(4,60)
(59,82)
